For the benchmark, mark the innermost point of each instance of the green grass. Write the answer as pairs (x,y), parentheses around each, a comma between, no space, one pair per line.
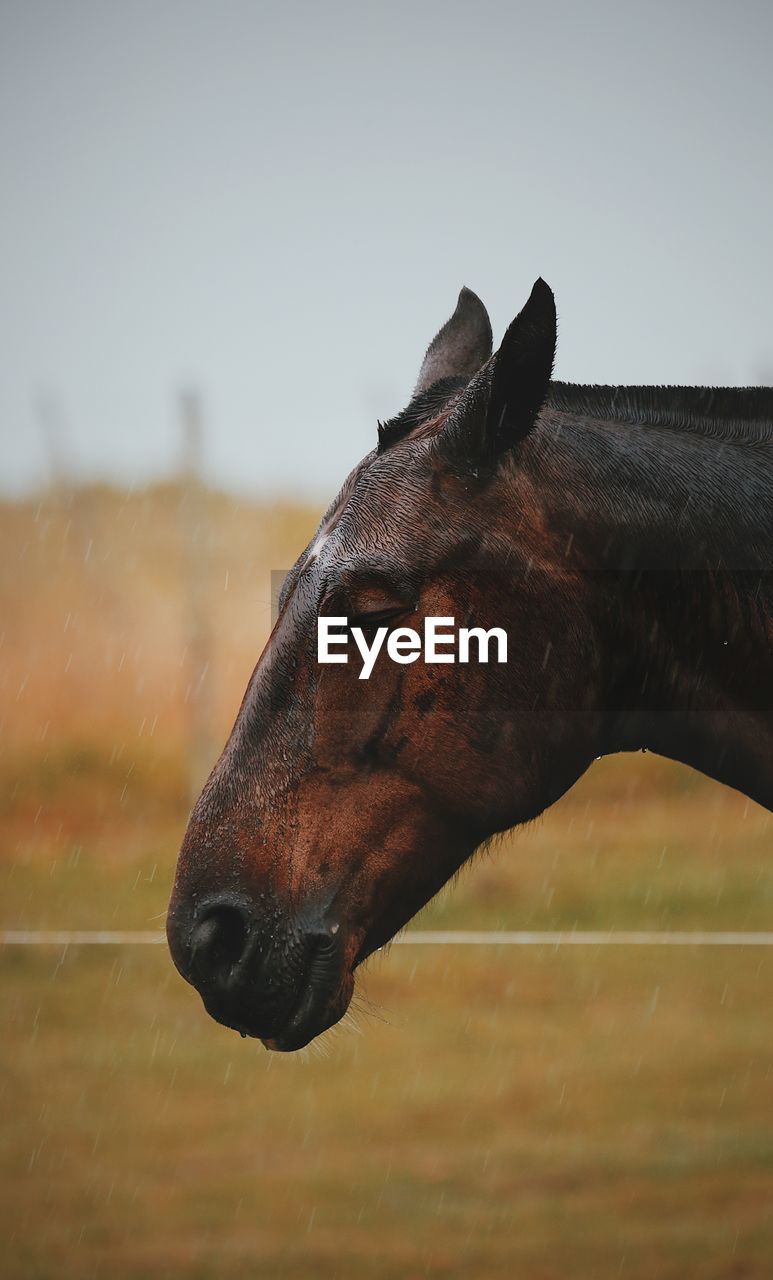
(537,1113)
(541,1114)
(638,843)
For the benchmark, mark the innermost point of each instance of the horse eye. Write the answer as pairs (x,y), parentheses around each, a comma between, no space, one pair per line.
(376,617)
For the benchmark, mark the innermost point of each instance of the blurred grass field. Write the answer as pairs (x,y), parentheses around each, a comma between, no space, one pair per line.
(538,1113)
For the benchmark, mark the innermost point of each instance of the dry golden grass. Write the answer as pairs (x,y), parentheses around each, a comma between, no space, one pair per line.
(95,616)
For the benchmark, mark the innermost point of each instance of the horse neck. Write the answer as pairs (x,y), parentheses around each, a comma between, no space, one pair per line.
(671,531)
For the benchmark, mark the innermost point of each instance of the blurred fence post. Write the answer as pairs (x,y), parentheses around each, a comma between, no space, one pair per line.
(196,553)
(76,500)
(53,430)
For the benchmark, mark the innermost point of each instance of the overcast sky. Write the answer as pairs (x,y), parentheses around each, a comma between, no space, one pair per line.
(277,203)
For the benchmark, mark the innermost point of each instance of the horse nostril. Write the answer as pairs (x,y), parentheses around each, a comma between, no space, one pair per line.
(218,942)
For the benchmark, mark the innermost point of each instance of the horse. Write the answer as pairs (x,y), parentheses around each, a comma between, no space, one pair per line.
(622,538)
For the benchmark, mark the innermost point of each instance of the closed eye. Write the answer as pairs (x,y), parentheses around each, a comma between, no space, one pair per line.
(377,617)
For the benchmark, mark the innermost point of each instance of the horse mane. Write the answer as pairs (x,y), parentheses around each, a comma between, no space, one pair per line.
(721,413)
(718,413)
(423,408)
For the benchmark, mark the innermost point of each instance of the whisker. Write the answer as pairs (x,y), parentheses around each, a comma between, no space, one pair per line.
(369,1009)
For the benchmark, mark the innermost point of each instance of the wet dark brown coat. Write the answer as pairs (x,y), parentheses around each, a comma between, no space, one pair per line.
(622,536)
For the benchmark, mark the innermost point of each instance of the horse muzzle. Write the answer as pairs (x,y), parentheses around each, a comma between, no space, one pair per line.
(281,980)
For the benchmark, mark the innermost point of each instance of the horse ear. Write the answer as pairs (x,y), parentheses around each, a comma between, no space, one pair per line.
(501,404)
(522,369)
(462,345)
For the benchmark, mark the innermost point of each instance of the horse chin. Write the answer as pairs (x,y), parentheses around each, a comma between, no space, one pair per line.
(311,1017)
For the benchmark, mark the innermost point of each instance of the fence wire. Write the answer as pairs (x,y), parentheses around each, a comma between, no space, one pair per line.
(426,937)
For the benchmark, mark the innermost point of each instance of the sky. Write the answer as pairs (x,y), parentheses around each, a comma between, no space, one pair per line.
(275,205)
